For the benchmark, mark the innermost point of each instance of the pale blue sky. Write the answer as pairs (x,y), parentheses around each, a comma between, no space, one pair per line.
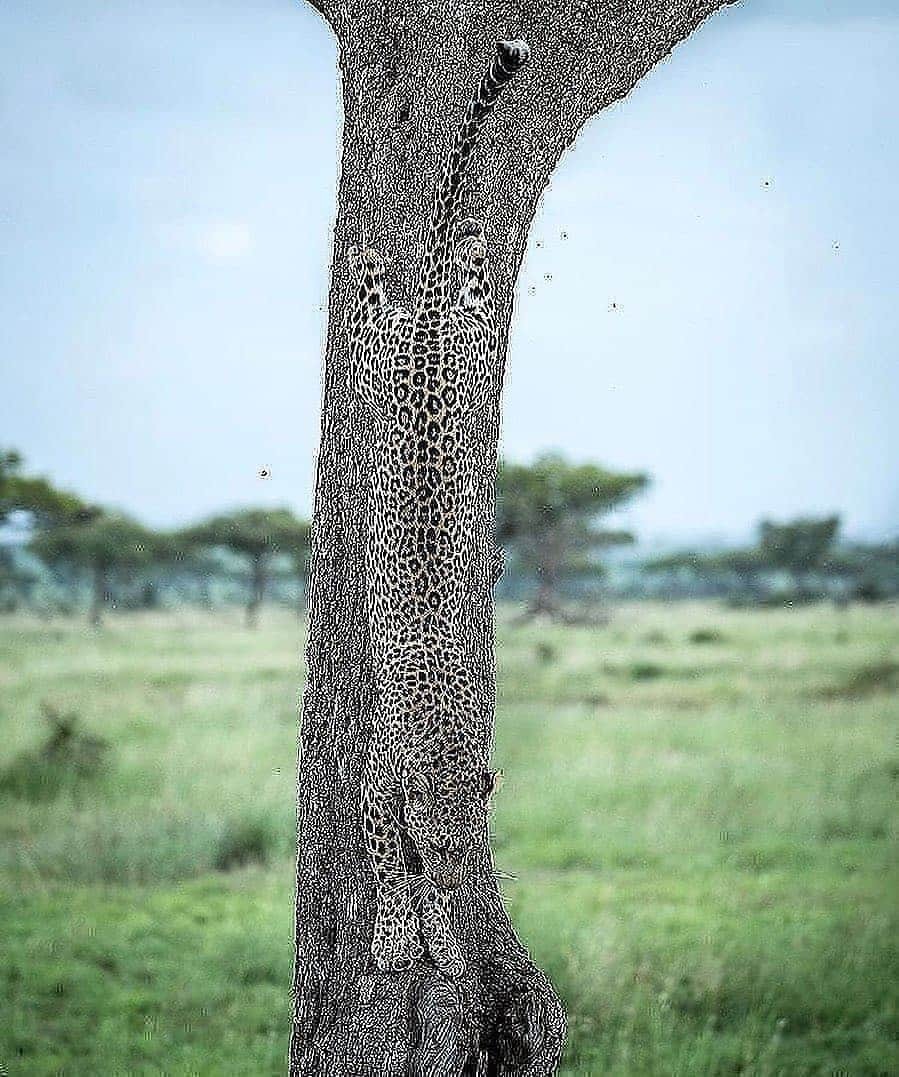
(167,182)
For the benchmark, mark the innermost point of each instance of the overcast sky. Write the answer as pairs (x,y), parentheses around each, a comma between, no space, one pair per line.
(722,311)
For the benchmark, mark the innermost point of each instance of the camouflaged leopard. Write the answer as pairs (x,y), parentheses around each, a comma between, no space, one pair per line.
(424,372)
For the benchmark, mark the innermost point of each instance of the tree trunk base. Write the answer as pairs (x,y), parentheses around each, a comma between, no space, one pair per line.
(422,1024)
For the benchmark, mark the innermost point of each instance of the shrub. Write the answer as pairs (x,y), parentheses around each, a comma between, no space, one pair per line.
(645,671)
(68,759)
(244,841)
(873,679)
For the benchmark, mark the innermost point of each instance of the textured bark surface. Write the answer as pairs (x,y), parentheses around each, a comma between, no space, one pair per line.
(407,70)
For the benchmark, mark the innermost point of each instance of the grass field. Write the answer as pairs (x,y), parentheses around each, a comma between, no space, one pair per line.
(700,806)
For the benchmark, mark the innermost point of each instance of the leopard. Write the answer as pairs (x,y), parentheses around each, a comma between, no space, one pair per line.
(423,372)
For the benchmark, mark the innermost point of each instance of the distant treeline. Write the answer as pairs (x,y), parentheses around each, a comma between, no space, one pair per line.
(61,554)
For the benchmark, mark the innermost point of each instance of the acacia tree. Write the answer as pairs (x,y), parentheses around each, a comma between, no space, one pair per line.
(102,544)
(258,535)
(735,572)
(37,505)
(551,510)
(407,70)
(802,548)
(798,547)
(34,496)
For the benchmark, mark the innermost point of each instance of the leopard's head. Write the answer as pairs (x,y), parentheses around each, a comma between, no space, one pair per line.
(446,810)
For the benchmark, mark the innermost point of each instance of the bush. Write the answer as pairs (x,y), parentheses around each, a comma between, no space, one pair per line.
(68,759)
(244,841)
(645,671)
(874,679)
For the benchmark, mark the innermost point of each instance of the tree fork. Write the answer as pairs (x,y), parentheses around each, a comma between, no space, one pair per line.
(406,72)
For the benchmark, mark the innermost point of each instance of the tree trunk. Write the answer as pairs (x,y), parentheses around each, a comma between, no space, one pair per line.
(99,591)
(545,602)
(408,71)
(547,550)
(258,573)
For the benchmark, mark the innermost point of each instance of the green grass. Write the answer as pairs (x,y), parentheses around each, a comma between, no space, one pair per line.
(700,807)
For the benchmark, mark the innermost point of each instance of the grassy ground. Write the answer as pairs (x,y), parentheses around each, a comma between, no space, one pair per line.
(699,805)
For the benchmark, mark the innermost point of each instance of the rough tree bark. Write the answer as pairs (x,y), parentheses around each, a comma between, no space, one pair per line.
(408,68)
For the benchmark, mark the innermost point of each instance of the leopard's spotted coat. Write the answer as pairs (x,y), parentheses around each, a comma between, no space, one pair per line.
(424,372)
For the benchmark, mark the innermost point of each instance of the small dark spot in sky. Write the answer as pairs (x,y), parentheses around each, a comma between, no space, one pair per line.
(767,184)
(264,473)
(532,290)
(547,276)
(564,235)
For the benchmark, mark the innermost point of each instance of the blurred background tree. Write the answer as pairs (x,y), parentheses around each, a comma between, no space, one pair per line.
(33,496)
(550,512)
(259,535)
(799,560)
(870,570)
(56,549)
(28,504)
(798,547)
(695,573)
(103,544)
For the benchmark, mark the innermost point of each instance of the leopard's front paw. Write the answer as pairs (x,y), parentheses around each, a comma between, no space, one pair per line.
(442,945)
(395,945)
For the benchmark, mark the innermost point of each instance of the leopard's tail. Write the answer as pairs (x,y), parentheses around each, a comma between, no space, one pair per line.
(509,58)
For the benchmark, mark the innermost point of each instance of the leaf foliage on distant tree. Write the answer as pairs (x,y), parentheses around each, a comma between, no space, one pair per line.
(259,534)
(551,511)
(799,545)
(102,543)
(804,548)
(34,495)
